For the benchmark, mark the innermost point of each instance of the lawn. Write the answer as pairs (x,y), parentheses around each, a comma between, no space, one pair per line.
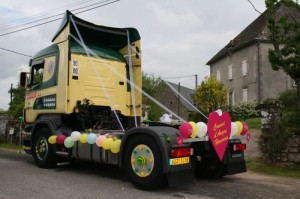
(253,123)
(259,166)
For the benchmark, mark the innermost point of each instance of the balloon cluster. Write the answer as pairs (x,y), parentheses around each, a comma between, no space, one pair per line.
(192,129)
(238,128)
(107,142)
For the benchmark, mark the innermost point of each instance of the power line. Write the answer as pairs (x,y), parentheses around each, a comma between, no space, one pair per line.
(59,18)
(31,22)
(180,77)
(15,52)
(254,7)
(42,14)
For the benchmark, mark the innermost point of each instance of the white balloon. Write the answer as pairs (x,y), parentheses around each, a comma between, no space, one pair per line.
(202,129)
(75,136)
(234,129)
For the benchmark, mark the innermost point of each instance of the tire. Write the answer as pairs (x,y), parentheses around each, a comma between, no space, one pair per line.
(143,163)
(43,152)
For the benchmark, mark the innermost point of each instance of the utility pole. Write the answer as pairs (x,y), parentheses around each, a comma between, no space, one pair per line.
(178,104)
(196,81)
(11,93)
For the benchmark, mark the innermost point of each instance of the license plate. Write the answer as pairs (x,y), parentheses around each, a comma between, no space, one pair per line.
(236,155)
(178,161)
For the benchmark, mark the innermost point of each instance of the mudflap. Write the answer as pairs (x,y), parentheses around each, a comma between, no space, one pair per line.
(234,161)
(175,178)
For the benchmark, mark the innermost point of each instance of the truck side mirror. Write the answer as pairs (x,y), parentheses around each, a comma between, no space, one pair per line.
(23,79)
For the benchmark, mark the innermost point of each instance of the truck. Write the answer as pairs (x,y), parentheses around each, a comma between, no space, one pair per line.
(83,84)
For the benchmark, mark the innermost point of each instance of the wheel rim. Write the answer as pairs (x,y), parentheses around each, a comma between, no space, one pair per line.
(41,148)
(142,160)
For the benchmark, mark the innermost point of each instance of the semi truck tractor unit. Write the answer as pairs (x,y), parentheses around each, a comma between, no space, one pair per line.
(83,102)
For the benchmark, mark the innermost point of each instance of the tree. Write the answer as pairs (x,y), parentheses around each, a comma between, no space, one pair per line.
(16,108)
(211,94)
(152,85)
(285,37)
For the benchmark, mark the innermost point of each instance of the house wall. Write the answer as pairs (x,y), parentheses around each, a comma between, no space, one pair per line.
(271,82)
(170,100)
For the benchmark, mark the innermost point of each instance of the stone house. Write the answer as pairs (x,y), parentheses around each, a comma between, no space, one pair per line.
(243,64)
(174,102)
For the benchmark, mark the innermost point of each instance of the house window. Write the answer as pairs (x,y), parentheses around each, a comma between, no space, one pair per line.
(245,94)
(218,75)
(230,72)
(231,99)
(294,83)
(244,67)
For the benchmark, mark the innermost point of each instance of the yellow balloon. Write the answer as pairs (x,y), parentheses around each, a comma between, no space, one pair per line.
(107,143)
(52,139)
(240,128)
(195,129)
(82,138)
(115,148)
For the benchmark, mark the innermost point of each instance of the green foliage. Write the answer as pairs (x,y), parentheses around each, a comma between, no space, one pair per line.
(284,30)
(253,123)
(152,85)
(290,115)
(273,141)
(211,94)
(285,37)
(260,166)
(16,108)
(197,117)
(244,110)
(288,99)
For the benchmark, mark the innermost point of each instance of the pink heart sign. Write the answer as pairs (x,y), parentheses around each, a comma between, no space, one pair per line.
(219,129)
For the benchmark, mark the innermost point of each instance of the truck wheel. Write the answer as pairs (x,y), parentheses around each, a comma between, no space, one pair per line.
(143,163)
(43,152)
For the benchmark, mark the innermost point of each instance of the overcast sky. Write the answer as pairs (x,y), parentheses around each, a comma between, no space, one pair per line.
(178,36)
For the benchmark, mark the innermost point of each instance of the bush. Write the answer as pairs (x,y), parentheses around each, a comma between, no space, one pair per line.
(244,110)
(289,100)
(290,114)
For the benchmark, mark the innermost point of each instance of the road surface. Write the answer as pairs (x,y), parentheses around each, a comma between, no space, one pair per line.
(21,178)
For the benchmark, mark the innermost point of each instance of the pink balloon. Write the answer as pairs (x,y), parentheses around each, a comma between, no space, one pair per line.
(186,130)
(100,140)
(60,139)
(245,128)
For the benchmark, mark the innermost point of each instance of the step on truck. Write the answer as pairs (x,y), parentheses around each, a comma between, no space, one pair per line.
(83,102)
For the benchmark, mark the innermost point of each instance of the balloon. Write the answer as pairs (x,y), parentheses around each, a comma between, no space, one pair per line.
(68,142)
(52,139)
(107,143)
(99,140)
(245,128)
(75,135)
(234,129)
(202,129)
(83,138)
(185,130)
(195,129)
(60,139)
(240,128)
(91,138)
(115,147)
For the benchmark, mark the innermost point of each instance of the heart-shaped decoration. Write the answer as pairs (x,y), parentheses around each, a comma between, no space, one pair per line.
(219,129)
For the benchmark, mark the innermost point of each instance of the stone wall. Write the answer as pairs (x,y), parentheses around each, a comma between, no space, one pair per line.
(277,143)
(291,155)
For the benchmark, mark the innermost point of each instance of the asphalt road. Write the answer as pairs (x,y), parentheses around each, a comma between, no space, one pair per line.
(20,178)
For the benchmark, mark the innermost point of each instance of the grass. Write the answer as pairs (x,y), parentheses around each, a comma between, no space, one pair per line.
(10,146)
(259,166)
(254,123)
